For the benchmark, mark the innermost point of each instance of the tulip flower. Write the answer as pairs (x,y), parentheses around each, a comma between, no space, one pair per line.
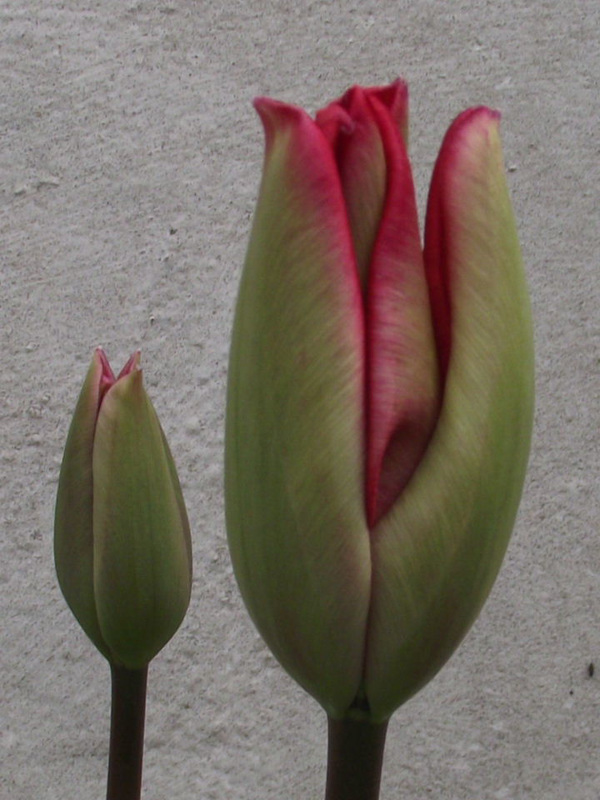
(122,539)
(380,398)
(122,545)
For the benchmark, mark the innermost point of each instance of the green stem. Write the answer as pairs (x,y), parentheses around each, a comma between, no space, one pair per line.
(126,733)
(354,759)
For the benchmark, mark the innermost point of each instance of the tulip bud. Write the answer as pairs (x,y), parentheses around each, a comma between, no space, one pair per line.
(122,541)
(380,397)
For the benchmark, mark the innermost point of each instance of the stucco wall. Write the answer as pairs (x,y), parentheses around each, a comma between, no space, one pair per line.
(129,166)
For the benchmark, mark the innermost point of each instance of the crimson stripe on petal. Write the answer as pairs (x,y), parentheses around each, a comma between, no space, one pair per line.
(356,144)
(439,245)
(402,383)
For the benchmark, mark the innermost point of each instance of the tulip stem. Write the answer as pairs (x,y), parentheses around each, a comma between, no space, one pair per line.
(354,759)
(126,733)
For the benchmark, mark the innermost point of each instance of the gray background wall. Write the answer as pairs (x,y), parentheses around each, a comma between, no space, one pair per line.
(129,167)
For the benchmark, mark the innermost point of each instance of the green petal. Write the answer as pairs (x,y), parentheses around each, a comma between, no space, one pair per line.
(436,555)
(294,444)
(73,524)
(142,551)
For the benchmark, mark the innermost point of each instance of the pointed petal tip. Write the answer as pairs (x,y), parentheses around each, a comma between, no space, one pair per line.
(101,358)
(390,93)
(276,111)
(477,118)
(263,105)
(276,116)
(132,365)
(483,112)
(394,94)
(395,98)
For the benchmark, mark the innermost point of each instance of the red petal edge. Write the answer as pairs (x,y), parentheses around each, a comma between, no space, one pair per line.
(438,232)
(401,417)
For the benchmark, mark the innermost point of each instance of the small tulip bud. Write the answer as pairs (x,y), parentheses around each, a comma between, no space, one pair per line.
(122,542)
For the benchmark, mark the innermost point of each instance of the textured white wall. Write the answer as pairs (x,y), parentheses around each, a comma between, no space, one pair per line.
(129,165)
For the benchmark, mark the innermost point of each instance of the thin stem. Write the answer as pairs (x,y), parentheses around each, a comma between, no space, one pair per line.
(354,759)
(126,733)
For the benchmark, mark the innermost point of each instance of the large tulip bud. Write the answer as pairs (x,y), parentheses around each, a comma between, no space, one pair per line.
(380,397)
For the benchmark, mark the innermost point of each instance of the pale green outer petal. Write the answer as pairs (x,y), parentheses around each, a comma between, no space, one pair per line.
(142,551)
(435,556)
(73,531)
(294,471)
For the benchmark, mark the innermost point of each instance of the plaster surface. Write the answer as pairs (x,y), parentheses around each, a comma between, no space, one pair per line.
(130,160)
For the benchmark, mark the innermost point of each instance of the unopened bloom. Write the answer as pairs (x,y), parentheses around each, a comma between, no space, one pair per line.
(122,541)
(380,397)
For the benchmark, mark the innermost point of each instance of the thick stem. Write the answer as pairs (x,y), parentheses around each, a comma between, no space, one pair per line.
(354,759)
(126,733)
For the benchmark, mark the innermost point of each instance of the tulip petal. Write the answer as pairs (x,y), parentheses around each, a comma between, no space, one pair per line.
(294,470)
(354,138)
(436,554)
(402,384)
(394,97)
(142,550)
(363,130)
(73,525)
